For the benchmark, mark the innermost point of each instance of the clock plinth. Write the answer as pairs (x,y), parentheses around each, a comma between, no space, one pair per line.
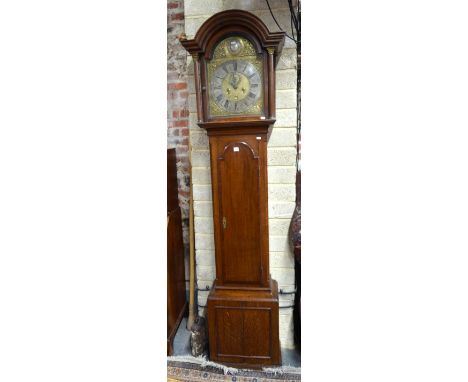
(234,56)
(243,326)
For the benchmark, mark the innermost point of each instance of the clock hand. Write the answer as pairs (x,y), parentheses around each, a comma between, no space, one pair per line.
(233,82)
(238,80)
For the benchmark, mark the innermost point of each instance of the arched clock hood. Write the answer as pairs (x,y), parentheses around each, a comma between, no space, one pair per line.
(202,46)
(233,21)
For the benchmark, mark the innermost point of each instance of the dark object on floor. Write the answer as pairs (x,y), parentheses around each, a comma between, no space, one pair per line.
(176,300)
(191,372)
(199,338)
(295,241)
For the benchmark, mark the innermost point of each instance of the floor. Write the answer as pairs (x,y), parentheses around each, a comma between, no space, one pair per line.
(290,357)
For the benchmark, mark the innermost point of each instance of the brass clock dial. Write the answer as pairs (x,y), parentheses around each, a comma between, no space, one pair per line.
(236,86)
(235,78)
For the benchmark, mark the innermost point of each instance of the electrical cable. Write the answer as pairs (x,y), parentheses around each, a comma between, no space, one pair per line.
(274,18)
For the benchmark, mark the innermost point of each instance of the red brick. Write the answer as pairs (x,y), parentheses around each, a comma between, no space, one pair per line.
(175,114)
(184,132)
(184,113)
(173,5)
(177,16)
(181,123)
(177,86)
(183,95)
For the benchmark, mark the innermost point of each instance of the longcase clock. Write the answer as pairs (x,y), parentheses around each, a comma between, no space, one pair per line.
(234,57)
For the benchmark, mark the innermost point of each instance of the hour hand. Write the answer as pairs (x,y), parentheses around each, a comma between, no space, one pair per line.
(234,82)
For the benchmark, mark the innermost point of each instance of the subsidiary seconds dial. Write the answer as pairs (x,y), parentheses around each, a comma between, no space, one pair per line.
(236,86)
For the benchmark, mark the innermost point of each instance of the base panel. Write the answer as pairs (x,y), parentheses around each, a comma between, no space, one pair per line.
(244,327)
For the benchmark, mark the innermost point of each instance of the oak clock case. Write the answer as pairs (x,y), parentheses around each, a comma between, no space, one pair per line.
(234,58)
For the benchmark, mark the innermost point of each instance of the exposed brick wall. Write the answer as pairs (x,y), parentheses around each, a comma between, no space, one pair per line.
(177,106)
(281,158)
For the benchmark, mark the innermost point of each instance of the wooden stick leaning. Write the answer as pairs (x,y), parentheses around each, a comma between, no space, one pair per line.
(193,310)
(192,305)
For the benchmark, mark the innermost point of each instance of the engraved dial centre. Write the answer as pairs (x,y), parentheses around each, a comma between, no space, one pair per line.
(235,86)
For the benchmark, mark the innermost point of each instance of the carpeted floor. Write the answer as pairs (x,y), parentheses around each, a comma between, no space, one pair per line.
(183,371)
(185,368)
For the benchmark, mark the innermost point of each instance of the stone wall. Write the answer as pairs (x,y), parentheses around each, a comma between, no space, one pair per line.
(177,107)
(281,158)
